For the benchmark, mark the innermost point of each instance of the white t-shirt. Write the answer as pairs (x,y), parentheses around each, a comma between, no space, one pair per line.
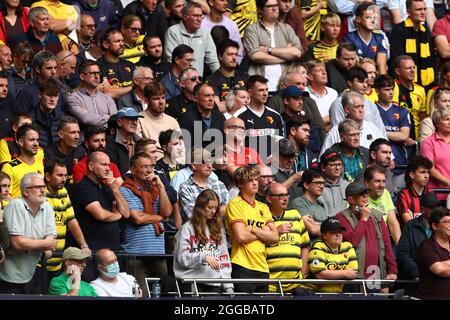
(323,102)
(272,71)
(122,288)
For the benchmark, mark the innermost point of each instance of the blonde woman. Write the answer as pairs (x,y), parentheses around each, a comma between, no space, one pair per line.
(441,101)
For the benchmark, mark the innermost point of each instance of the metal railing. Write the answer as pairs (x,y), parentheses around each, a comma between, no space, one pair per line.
(366,286)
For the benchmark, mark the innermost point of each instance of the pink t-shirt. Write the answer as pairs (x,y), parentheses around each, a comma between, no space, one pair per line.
(437,150)
(442,27)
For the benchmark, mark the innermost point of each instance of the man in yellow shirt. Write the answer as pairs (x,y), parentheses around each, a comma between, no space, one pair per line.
(9,149)
(251,227)
(27,137)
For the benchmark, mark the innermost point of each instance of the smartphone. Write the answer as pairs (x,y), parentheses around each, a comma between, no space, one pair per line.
(357,209)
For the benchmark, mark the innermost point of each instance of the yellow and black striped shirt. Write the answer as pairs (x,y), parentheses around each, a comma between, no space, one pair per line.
(63,214)
(321,258)
(321,52)
(244,12)
(312,24)
(135,52)
(284,257)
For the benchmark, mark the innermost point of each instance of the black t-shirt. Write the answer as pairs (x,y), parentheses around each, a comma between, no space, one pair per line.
(222,85)
(98,234)
(119,74)
(262,131)
(168,171)
(179,105)
(52,152)
(159,70)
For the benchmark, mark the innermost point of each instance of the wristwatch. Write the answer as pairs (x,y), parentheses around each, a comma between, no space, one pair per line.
(269,50)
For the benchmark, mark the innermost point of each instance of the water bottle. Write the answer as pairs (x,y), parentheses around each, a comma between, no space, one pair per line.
(156,290)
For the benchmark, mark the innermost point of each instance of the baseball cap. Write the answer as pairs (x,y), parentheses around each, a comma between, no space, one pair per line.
(355,188)
(328,156)
(128,113)
(331,224)
(293,91)
(286,147)
(429,201)
(73,253)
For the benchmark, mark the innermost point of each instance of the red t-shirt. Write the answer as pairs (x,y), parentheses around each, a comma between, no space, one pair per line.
(79,170)
(245,157)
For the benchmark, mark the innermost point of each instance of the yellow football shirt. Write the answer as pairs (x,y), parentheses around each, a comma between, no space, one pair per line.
(251,255)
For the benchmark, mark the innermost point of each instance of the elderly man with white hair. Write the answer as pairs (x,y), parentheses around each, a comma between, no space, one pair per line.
(31,225)
(135,98)
(354,107)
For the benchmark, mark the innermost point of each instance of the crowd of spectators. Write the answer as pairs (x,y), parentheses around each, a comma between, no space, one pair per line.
(261,139)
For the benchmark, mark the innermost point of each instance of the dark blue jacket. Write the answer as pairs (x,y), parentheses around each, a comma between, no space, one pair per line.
(153,22)
(28,98)
(48,125)
(6,115)
(104,14)
(413,234)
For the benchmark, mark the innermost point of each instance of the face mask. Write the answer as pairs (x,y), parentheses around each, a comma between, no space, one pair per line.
(112,270)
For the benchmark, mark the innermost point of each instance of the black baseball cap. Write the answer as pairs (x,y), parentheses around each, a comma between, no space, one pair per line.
(331,224)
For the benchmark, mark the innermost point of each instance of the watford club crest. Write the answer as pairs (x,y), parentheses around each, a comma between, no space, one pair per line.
(373,49)
(269,120)
(127,69)
(396,116)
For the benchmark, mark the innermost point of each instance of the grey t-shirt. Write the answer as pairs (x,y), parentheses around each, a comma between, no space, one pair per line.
(19,267)
(308,208)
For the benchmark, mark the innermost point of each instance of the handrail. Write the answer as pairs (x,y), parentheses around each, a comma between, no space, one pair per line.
(279,282)
(439,190)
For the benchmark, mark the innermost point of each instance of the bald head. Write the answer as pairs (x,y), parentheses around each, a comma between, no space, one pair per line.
(67,63)
(98,166)
(277,188)
(277,198)
(97,156)
(103,255)
(234,122)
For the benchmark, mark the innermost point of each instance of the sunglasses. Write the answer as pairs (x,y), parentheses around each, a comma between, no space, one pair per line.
(195,78)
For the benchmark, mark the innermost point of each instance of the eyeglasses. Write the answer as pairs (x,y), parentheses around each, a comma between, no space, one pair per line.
(38,187)
(189,60)
(280,195)
(134,29)
(93,73)
(197,16)
(271,6)
(236,127)
(318,183)
(89,26)
(445,221)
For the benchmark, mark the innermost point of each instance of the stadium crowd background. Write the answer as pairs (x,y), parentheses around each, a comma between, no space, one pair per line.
(250,139)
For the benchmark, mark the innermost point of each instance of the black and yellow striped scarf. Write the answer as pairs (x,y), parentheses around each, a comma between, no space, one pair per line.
(418,46)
